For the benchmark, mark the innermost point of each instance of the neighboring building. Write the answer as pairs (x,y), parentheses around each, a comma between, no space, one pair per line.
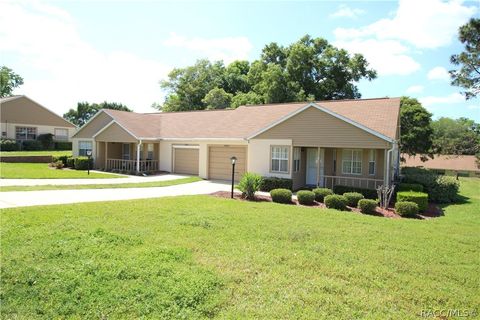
(21,118)
(320,143)
(446,164)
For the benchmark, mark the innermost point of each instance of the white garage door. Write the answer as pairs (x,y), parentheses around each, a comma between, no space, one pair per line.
(185,161)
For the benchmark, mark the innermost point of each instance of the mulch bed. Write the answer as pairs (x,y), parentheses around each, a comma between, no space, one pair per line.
(433,210)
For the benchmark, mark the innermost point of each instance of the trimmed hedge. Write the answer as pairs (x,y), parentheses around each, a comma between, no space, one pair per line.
(306,197)
(46,139)
(367,206)
(61,158)
(32,145)
(281,195)
(336,201)
(420,198)
(321,193)
(62,145)
(410,187)
(406,208)
(9,145)
(270,183)
(249,184)
(82,163)
(70,162)
(353,198)
(367,193)
(441,189)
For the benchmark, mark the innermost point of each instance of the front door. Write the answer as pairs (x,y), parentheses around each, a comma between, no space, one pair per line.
(312,166)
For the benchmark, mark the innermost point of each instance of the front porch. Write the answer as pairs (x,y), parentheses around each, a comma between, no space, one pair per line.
(127,157)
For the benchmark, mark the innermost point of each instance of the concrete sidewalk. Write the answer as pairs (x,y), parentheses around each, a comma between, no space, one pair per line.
(127,179)
(46,197)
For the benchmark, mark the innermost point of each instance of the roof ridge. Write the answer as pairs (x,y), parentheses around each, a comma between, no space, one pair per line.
(317,101)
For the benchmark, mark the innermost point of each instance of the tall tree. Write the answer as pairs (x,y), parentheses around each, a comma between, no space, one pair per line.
(416,129)
(9,80)
(85,111)
(468,76)
(456,136)
(217,98)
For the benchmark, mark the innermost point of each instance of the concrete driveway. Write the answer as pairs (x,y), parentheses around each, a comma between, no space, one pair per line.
(46,197)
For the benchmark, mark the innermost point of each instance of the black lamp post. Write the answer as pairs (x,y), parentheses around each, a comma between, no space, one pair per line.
(233,159)
(89,155)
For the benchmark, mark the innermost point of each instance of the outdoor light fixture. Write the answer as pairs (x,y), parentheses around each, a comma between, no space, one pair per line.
(89,155)
(234,160)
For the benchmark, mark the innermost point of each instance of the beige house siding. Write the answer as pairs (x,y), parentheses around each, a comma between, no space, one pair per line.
(95,125)
(115,133)
(10,129)
(259,152)
(315,128)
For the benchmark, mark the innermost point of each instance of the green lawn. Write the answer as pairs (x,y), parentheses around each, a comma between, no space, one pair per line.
(43,171)
(55,153)
(102,186)
(200,256)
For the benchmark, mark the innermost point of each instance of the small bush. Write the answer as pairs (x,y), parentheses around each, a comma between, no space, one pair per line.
(46,139)
(305,197)
(70,162)
(420,198)
(406,208)
(62,145)
(56,164)
(353,198)
(367,206)
(367,193)
(321,193)
(410,187)
(336,201)
(249,184)
(9,145)
(445,190)
(82,163)
(281,195)
(32,145)
(270,183)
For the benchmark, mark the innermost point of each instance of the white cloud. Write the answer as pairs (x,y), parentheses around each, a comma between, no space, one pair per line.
(415,89)
(438,73)
(432,101)
(227,49)
(46,41)
(345,11)
(474,107)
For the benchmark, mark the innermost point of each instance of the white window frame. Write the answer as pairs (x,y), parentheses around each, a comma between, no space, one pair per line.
(297,155)
(354,156)
(81,146)
(280,154)
(26,133)
(61,137)
(372,158)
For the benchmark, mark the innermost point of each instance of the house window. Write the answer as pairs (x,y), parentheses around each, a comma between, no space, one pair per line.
(25,133)
(4,134)
(334,160)
(372,162)
(279,159)
(83,147)
(126,151)
(296,159)
(61,134)
(150,151)
(352,161)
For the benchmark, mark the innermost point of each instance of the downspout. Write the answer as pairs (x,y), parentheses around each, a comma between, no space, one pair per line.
(389,155)
(138,155)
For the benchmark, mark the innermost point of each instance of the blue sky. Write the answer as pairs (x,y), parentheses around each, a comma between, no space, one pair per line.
(119,50)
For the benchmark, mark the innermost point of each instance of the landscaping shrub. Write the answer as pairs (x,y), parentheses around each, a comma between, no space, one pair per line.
(32,145)
(353,198)
(406,208)
(56,164)
(270,183)
(249,184)
(281,195)
(367,193)
(336,201)
(70,162)
(441,189)
(367,206)
(62,145)
(46,139)
(306,197)
(420,198)
(82,163)
(410,187)
(9,145)
(321,193)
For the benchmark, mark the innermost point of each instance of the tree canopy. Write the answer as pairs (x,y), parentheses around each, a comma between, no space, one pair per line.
(456,136)
(85,111)
(468,75)
(9,80)
(309,69)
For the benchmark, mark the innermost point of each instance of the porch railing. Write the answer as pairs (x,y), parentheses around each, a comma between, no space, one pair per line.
(357,182)
(131,165)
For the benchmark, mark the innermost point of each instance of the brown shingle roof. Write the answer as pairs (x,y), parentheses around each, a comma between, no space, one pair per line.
(444,162)
(380,115)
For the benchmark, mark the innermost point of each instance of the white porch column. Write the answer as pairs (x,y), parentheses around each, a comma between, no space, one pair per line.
(106,154)
(138,155)
(318,167)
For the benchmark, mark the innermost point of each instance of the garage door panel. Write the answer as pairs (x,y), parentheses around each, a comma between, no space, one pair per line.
(186,161)
(220,166)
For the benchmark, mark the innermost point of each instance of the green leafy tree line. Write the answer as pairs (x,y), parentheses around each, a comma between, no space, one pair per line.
(84,111)
(309,69)
(9,80)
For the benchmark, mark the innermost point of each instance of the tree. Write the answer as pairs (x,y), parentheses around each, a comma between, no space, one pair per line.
(416,130)
(85,111)
(249,98)
(217,98)
(9,80)
(468,76)
(456,136)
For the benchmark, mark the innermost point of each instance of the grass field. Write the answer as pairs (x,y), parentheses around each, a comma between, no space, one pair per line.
(200,256)
(43,171)
(102,186)
(36,153)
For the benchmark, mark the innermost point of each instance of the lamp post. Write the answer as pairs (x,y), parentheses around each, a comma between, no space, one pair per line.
(233,159)
(89,155)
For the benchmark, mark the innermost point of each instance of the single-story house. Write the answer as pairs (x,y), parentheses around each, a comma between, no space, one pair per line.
(21,118)
(321,143)
(446,164)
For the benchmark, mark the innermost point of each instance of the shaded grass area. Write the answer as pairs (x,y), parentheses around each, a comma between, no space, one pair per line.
(56,153)
(102,186)
(43,171)
(201,256)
